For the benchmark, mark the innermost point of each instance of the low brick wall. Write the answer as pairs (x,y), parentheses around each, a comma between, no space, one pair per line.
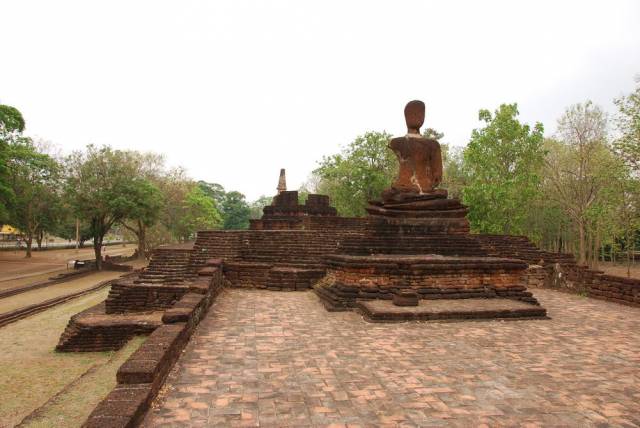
(561,271)
(616,289)
(353,278)
(142,375)
(292,279)
(246,274)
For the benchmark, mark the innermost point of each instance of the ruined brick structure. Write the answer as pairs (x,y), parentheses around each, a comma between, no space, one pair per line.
(412,258)
(138,304)
(415,244)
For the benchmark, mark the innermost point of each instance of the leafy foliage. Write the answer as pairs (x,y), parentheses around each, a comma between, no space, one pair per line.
(503,162)
(358,174)
(11,126)
(256,206)
(198,212)
(11,119)
(213,190)
(35,182)
(628,123)
(235,211)
(103,187)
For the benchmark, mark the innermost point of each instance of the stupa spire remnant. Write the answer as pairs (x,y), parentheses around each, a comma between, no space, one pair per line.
(282,182)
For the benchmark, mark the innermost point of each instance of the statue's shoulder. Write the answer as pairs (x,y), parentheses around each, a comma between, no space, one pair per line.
(432,142)
(397,142)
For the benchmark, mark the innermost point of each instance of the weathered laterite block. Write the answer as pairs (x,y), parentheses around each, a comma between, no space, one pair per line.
(154,357)
(124,407)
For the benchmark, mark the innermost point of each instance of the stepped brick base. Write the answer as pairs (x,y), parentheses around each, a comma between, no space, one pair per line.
(92,330)
(350,279)
(450,310)
(433,211)
(134,308)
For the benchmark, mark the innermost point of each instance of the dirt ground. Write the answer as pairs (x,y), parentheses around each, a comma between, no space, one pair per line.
(62,387)
(620,269)
(16,270)
(36,296)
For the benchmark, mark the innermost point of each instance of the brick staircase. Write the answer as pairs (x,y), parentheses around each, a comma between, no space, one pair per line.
(167,266)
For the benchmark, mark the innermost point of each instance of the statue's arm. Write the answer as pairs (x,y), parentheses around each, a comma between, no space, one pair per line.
(436,166)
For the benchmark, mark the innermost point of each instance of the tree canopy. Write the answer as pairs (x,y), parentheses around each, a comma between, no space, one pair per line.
(358,174)
(503,161)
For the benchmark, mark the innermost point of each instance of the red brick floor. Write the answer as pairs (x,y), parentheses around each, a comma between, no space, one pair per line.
(264,358)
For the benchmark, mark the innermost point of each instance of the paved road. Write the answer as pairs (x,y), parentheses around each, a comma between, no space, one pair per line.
(279,359)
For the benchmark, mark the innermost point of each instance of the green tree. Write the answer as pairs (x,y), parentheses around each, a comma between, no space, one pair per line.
(102,187)
(580,167)
(453,177)
(213,190)
(11,126)
(358,174)
(198,213)
(147,197)
(174,186)
(628,124)
(502,164)
(144,213)
(233,206)
(628,215)
(65,227)
(11,119)
(235,211)
(256,206)
(35,183)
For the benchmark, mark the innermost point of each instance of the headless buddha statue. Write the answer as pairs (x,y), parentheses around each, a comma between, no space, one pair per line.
(419,158)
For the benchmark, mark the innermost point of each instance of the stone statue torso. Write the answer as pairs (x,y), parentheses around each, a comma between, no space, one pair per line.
(420,164)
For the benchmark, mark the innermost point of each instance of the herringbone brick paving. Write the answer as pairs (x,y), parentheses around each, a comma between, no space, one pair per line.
(264,358)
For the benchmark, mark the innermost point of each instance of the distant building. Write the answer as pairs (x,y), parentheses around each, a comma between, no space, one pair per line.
(10,233)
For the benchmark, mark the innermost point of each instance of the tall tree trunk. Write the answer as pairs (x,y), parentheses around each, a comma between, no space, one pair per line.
(29,241)
(588,243)
(581,247)
(39,238)
(97,249)
(613,253)
(141,241)
(596,249)
(629,251)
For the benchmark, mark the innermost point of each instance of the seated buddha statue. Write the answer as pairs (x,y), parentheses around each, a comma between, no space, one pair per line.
(419,158)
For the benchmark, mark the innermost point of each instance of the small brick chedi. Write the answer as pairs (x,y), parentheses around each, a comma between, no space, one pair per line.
(417,243)
(285,212)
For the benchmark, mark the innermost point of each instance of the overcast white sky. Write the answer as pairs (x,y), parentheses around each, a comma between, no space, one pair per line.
(235,90)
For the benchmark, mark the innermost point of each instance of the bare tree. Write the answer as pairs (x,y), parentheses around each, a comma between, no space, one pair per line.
(577,169)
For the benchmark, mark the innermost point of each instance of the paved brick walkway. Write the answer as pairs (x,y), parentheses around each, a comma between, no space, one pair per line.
(279,359)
